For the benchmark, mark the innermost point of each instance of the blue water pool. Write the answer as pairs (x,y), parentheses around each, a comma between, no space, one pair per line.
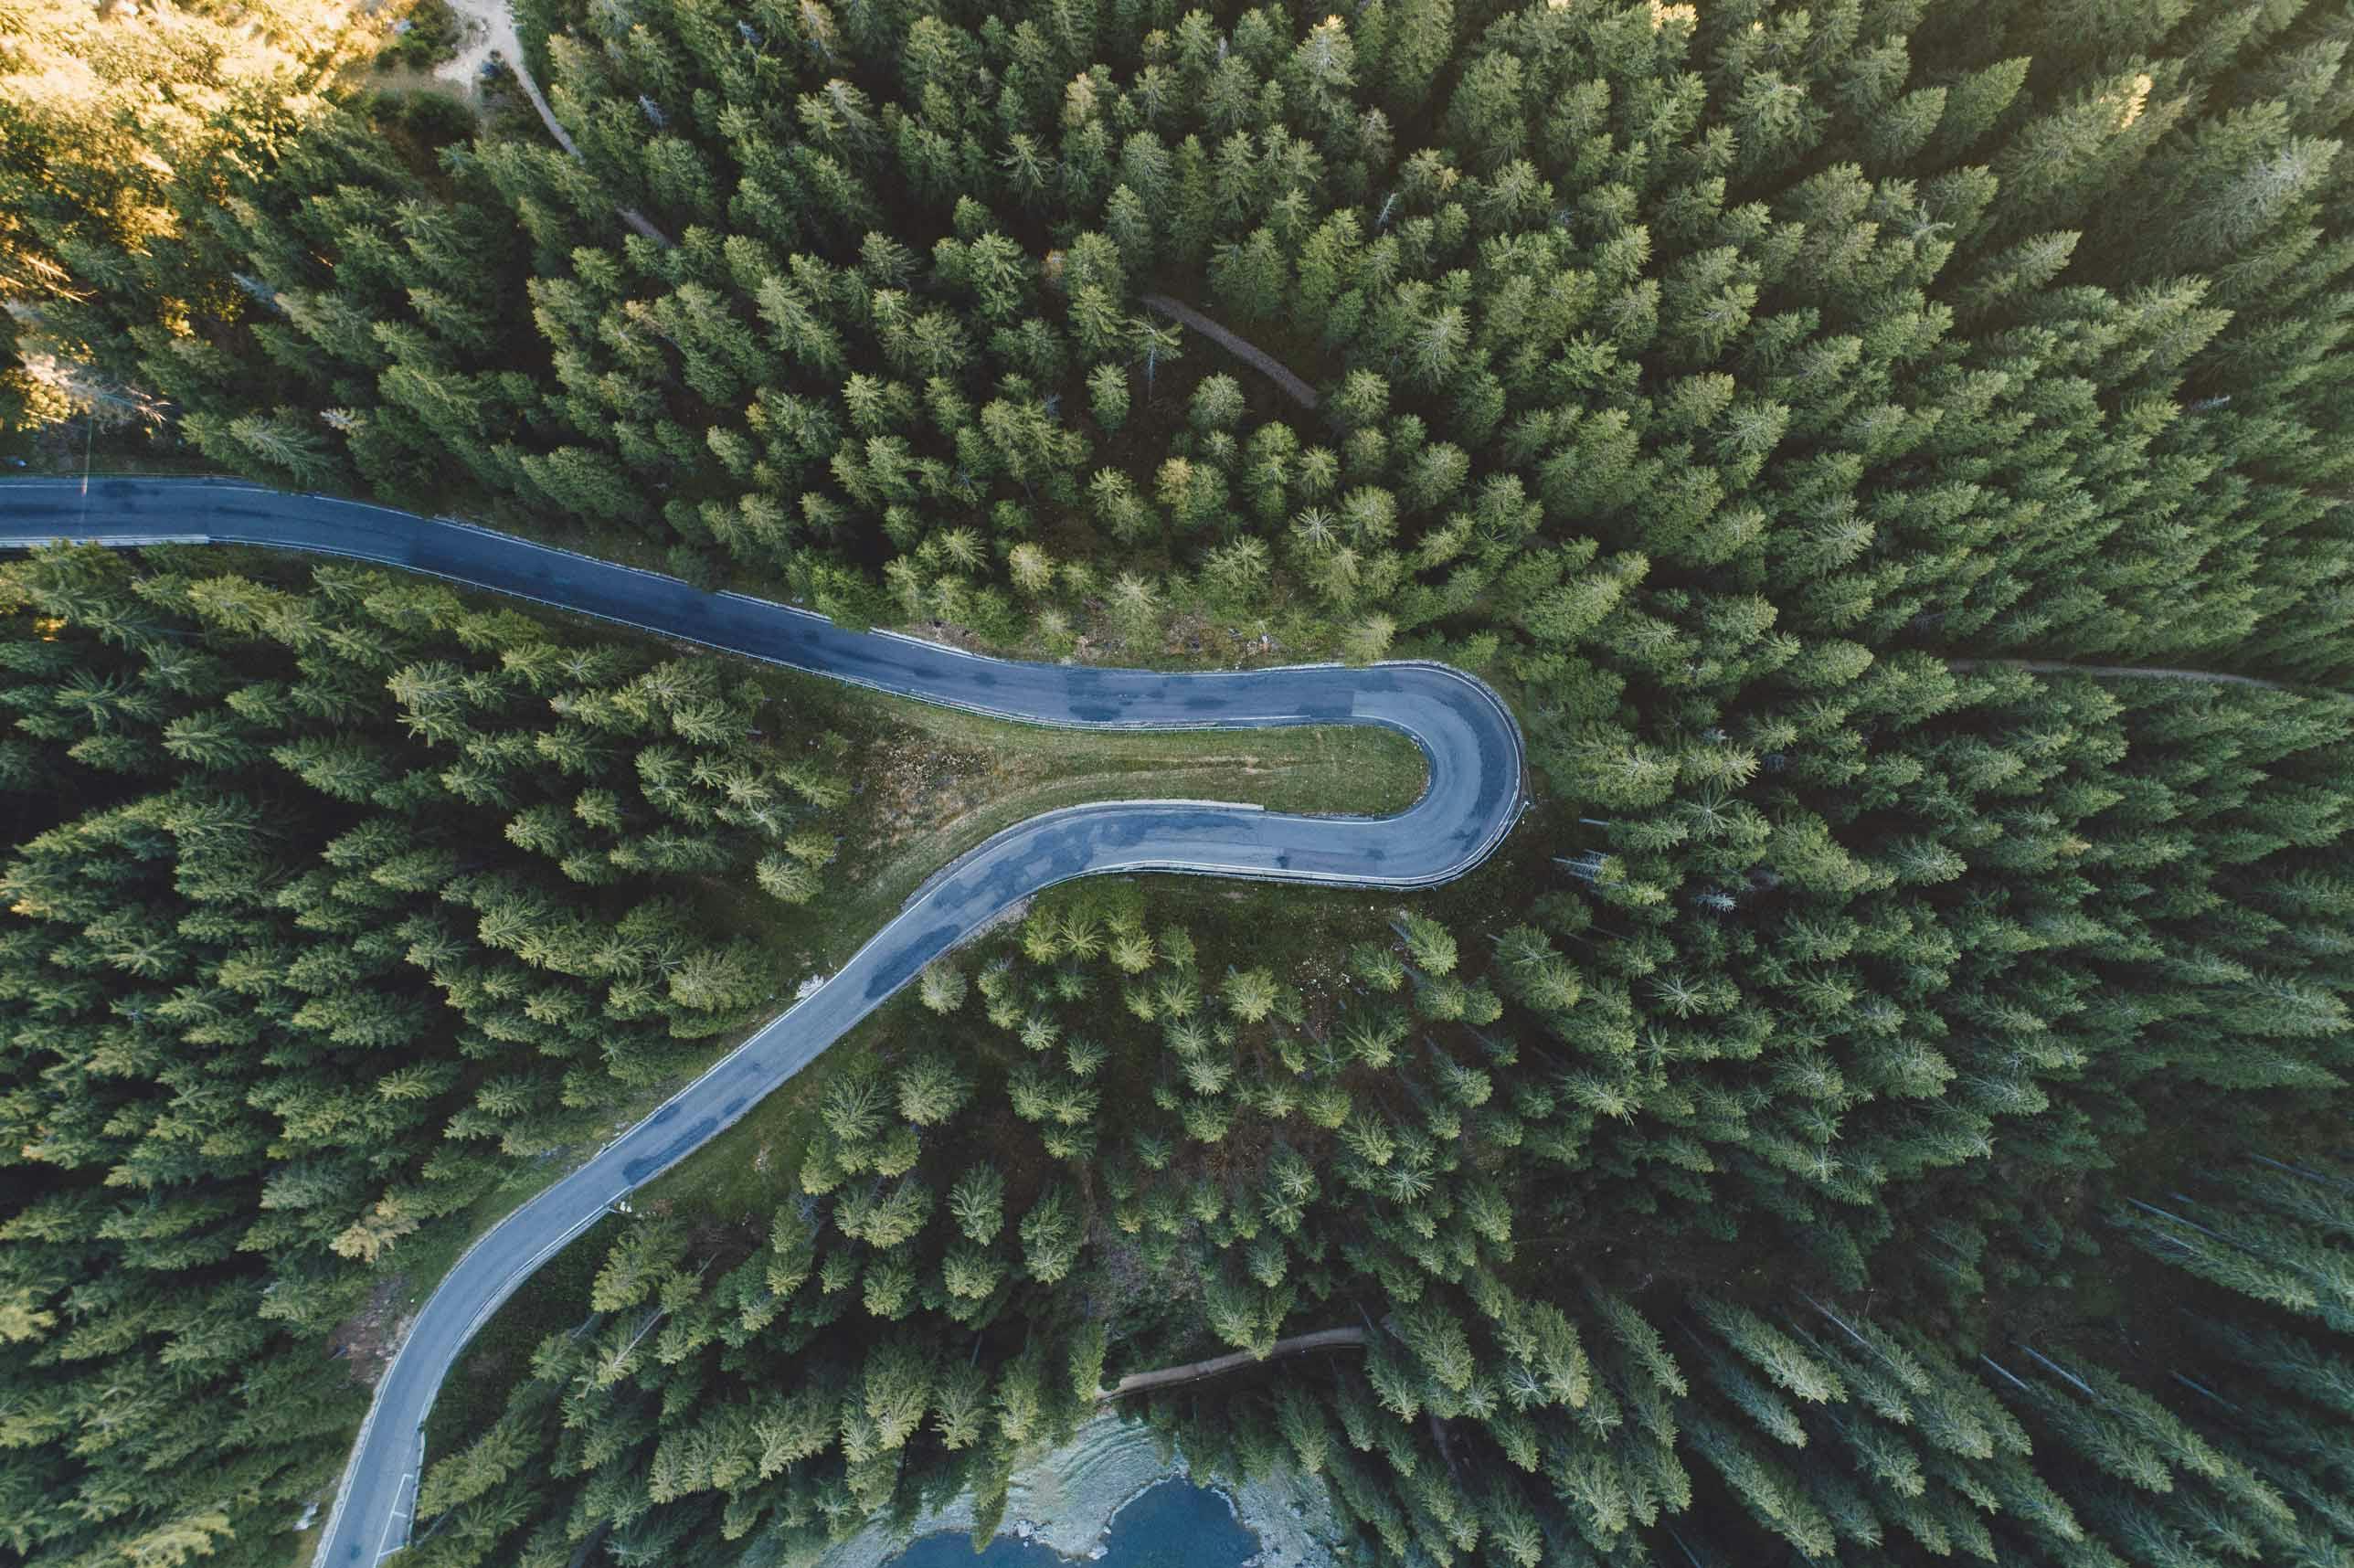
(1174,1525)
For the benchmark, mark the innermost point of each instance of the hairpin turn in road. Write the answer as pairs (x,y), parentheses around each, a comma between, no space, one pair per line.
(1474,796)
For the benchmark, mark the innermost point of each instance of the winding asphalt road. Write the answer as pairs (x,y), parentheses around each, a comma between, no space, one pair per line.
(1473,797)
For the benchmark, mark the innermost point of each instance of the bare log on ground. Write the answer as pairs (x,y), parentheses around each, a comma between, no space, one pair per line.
(1191,1371)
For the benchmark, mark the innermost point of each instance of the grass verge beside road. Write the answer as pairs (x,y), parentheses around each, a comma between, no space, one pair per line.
(933,782)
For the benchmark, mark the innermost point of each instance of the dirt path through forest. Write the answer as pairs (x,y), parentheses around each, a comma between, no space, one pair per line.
(1274,369)
(2120,672)
(491,31)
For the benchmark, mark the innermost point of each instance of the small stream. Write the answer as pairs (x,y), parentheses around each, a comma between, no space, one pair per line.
(1174,1524)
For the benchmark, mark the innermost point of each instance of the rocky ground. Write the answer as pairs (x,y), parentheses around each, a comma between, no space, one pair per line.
(370,1337)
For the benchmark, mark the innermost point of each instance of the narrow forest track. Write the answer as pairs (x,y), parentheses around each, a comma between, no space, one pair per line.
(1292,386)
(1473,797)
(2122,672)
(501,41)
(1193,1371)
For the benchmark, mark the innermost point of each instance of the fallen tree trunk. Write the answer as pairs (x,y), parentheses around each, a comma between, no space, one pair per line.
(1162,1377)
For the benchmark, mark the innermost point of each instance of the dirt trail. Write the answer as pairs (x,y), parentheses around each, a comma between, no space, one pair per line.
(491,31)
(2120,672)
(1293,387)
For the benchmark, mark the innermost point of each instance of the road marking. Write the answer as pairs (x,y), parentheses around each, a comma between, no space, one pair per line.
(395,1518)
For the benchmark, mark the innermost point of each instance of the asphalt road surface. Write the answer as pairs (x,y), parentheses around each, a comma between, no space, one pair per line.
(1473,799)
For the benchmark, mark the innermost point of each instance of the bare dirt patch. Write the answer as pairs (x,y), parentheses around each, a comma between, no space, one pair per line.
(487,29)
(918,786)
(371,1337)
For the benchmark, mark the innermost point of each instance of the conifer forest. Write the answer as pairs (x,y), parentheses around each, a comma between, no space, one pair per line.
(1884,1104)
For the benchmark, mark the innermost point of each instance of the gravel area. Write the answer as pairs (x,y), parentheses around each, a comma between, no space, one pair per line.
(490,27)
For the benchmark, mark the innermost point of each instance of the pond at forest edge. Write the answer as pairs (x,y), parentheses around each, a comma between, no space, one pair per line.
(1172,1524)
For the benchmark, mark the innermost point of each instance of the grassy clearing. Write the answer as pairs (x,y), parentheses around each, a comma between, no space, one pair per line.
(932,783)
